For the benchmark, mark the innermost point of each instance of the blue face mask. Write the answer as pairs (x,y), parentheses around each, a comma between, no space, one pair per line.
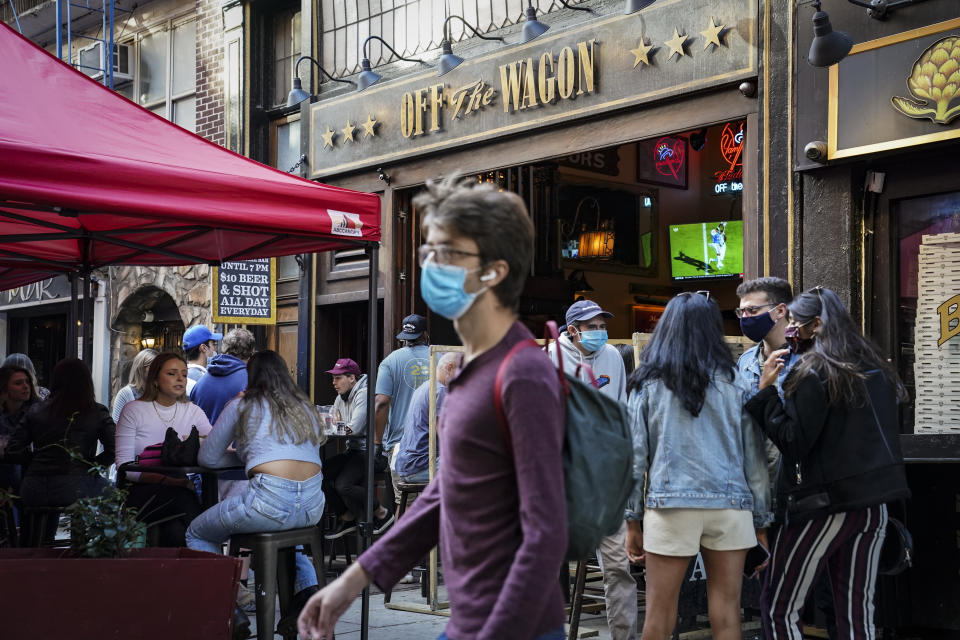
(593,340)
(441,286)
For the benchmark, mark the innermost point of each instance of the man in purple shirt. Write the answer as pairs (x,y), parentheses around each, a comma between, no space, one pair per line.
(496,510)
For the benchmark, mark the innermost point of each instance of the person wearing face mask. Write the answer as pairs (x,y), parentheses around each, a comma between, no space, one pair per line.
(585,342)
(496,507)
(763,319)
(837,429)
(199,345)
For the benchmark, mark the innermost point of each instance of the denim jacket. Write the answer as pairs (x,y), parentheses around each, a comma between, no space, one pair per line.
(713,461)
(751,367)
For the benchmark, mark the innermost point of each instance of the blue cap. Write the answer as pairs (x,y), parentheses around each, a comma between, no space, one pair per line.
(584,310)
(197,335)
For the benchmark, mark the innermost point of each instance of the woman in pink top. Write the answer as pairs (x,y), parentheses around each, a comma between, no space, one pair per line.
(144,422)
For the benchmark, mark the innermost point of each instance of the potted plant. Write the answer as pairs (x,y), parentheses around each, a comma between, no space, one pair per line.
(107,585)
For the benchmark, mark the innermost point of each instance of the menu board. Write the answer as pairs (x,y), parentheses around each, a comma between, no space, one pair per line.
(245,292)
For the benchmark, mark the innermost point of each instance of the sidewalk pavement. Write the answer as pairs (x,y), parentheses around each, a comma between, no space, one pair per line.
(391,624)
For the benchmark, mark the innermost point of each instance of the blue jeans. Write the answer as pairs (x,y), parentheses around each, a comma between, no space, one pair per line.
(417,478)
(552,635)
(269,504)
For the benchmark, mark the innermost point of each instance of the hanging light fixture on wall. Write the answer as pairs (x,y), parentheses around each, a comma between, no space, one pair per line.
(596,244)
(448,61)
(828,47)
(147,339)
(297,94)
(367,75)
(632,6)
(533,28)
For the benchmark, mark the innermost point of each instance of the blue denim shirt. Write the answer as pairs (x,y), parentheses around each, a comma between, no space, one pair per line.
(751,367)
(713,461)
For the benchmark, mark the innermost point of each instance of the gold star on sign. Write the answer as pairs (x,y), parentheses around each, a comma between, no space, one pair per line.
(328,136)
(712,34)
(369,127)
(640,54)
(676,44)
(348,132)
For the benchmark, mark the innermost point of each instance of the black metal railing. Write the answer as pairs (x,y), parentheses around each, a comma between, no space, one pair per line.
(410,26)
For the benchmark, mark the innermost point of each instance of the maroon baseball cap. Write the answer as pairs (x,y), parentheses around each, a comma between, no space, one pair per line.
(345,366)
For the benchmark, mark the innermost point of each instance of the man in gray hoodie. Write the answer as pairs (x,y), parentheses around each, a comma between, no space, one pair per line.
(344,475)
(585,342)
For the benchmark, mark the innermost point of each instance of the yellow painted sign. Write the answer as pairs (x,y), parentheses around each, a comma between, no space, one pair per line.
(949,313)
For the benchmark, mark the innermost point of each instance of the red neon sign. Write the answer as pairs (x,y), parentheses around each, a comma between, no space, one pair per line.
(669,155)
(731,148)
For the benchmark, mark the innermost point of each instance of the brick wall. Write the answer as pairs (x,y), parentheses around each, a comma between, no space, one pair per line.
(210,99)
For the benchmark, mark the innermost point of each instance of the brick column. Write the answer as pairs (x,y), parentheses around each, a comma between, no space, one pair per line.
(210,98)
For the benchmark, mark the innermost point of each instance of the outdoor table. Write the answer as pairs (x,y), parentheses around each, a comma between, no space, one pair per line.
(209,489)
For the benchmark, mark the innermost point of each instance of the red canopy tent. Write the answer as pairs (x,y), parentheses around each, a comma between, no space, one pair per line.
(89,179)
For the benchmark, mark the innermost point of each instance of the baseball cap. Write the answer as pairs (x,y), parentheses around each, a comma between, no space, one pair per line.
(584,310)
(413,327)
(345,366)
(197,335)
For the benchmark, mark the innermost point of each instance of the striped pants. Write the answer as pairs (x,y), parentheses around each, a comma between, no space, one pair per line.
(847,546)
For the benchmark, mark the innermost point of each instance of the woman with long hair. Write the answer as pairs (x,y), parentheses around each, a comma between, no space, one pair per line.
(144,422)
(837,429)
(18,392)
(138,377)
(699,467)
(64,430)
(277,432)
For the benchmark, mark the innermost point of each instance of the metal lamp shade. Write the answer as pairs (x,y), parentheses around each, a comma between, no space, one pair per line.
(367,76)
(448,61)
(297,94)
(633,6)
(828,47)
(532,27)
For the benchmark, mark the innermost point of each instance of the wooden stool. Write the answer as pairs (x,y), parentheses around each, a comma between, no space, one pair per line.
(269,571)
(576,606)
(407,489)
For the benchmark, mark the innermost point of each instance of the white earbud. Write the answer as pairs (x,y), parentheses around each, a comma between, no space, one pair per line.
(490,275)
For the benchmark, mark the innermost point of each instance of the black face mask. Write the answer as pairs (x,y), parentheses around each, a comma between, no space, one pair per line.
(795,343)
(757,327)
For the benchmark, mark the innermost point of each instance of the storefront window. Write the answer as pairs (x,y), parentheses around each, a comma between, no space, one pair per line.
(929,352)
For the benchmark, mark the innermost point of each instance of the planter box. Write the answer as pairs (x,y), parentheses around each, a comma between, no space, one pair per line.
(153,593)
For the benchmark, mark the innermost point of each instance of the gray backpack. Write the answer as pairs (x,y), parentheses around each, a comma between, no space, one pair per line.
(597,454)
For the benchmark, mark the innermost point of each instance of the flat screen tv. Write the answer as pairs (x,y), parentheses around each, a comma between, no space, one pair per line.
(706,250)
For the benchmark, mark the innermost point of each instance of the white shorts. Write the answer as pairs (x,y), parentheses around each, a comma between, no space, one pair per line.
(681,532)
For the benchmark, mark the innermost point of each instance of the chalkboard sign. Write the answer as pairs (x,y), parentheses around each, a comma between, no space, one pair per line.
(245,292)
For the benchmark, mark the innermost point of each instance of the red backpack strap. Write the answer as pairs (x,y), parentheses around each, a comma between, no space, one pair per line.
(551,332)
(498,384)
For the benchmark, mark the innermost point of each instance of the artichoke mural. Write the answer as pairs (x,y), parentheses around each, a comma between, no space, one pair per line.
(935,83)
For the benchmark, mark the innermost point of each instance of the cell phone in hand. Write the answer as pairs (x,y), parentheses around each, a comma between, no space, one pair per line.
(755,557)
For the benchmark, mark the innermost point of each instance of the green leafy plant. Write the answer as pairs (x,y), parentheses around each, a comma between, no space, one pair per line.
(104,527)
